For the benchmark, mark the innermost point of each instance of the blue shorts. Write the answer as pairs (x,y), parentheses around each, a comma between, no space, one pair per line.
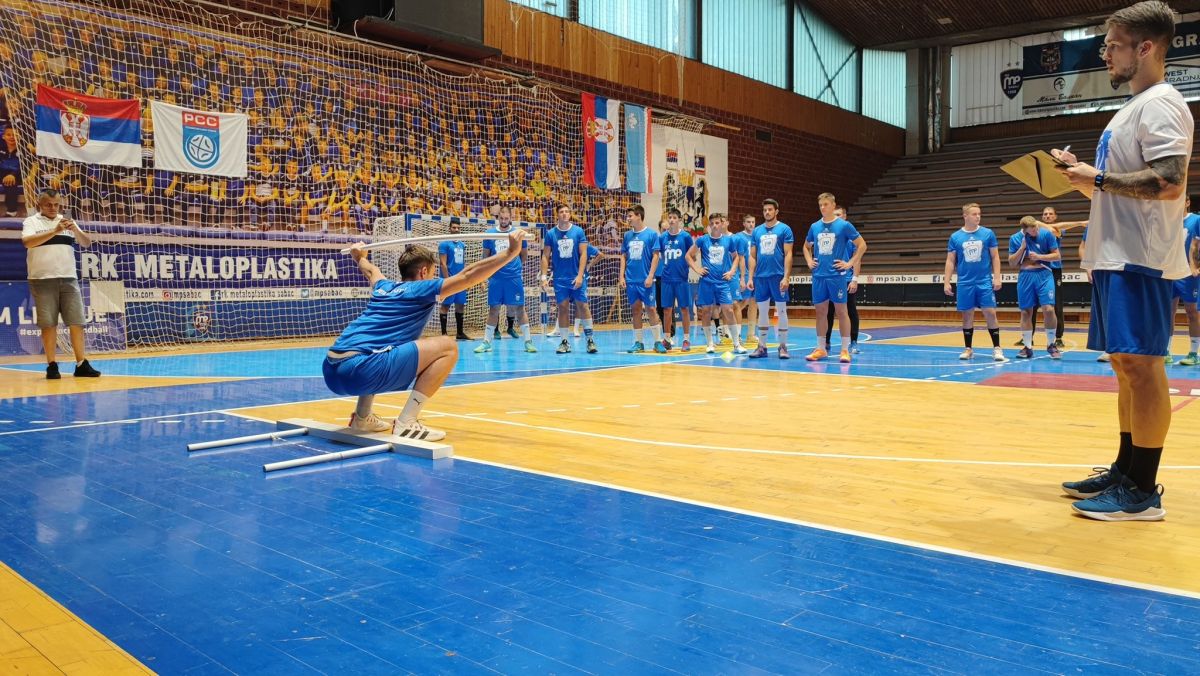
(1131,313)
(505,292)
(735,289)
(1035,288)
(971,296)
(1186,289)
(389,371)
(713,293)
(637,291)
(677,292)
(459,298)
(564,290)
(833,288)
(767,288)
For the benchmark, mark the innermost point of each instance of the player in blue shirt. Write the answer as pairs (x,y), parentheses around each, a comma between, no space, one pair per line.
(1187,290)
(565,253)
(639,260)
(715,258)
(743,302)
(770,265)
(673,245)
(1104,356)
(382,350)
(452,255)
(1031,249)
(506,288)
(851,303)
(828,252)
(974,254)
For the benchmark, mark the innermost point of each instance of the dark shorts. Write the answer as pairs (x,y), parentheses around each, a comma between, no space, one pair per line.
(1131,313)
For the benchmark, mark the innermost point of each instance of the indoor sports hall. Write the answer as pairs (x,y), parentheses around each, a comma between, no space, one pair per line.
(625,511)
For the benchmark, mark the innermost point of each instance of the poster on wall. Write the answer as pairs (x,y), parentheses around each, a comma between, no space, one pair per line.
(691,174)
(1070,75)
(19,334)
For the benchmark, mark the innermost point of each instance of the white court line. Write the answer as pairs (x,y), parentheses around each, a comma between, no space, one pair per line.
(846,531)
(768,451)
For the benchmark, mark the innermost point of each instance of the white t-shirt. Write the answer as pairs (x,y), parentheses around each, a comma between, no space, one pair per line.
(1133,234)
(52,260)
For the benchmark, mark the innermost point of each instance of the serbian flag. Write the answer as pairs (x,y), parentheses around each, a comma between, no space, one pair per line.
(637,149)
(72,126)
(601,143)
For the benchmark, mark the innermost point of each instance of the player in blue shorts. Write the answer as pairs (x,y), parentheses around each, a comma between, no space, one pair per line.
(506,288)
(382,350)
(594,258)
(974,254)
(851,303)
(714,258)
(743,302)
(565,253)
(452,255)
(673,245)
(1187,289)
(639,259)
(827,250)
(1030,250)
(770,264)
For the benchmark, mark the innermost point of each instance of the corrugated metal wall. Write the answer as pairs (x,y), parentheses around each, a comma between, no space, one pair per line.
(824,55)
(748,37)
(669,25)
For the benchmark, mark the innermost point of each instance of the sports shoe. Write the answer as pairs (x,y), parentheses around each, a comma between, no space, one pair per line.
(710,349)
(554,333)
(529,346)
(637,347)
(1054,352)
(1058,342)
(854,347)
(591,347)
(496,333)
(666,343)
(740,349)
(415,429)
(85,370)
(485,346)
(1104,357)
(998,355)
(659,347)
(759,352)
(967,354)
(1124,502)
(462,336)
(563,347)
(817,355)
(577,334)
(1168,360)
(371,423)
(1020,343)
(686,345)
(1025,353)
(844,357)
(1190,360)
(52,371)
(1102,479)
(783,352)
(512,332)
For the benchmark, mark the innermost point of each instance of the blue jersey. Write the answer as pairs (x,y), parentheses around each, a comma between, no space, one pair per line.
(564,251)
(973,255)
(769,250)
(1191,225)
(716,255)
(396,314)
(1056,265)
(831,242)
(1043,244)
(673,248)
(456,256)
(638,248)
(741,242)
(511,272)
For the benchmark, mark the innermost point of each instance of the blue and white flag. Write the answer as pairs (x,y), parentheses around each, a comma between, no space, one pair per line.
(638,176)
(199,142)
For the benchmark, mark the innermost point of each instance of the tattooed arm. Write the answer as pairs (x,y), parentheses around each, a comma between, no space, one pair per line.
(1164,179)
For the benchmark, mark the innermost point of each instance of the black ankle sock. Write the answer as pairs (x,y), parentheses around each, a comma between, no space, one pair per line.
(1144,467)
(995,334)
(458,319)
(442,321)
(510,323)
(1125,453)
(968,337)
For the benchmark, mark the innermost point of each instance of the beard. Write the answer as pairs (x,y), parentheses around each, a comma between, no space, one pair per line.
(1120,77)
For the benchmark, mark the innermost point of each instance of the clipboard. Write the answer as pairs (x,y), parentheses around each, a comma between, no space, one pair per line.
(1039,170)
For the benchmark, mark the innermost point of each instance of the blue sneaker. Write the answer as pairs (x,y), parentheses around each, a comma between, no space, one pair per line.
(637,347)
(659,347)
(1102,479)
(1124,502)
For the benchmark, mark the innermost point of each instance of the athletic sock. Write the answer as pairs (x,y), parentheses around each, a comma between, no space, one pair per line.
(763,330)
(525,331)
(968,337)
(1028,337)
(708,333)
(578,323)
(587,327)
(656,331)
(458,319)
(1143,469)
(995,334)
(488,332)
(511,322)
(1195,345)
(412,408)
(737,334)
(442,320)
(637,335)
(1050,337)
(1124,453)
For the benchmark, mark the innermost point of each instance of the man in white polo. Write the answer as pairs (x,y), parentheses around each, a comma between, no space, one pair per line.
(50,238)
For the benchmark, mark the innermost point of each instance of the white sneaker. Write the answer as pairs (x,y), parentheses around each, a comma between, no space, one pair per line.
(554,334)
(1104,357)
(578,334)
(967,354)
(371,423)
(415,429)
(710,348)
(998,355)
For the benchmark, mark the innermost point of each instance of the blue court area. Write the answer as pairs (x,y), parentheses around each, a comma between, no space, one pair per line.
(200,563)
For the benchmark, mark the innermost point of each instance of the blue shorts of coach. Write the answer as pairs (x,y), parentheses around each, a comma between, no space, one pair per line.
(832,288)
(677,292)
(971,296)
(1035,288)
(767,288)
(389,371)
(505,292)
(564,290)
(1131,313)
(638,291)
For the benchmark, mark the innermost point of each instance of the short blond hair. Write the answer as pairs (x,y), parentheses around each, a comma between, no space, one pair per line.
(827,196)
(971,205)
